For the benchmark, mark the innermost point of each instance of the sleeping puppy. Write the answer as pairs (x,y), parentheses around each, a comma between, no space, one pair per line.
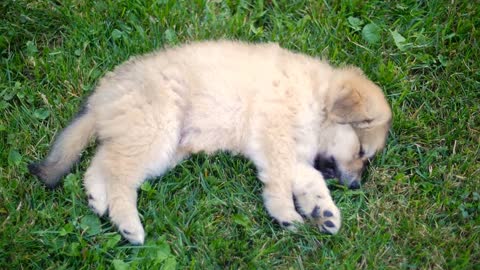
(278,108)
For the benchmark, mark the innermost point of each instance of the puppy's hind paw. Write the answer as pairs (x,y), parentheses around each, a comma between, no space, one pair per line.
(134,233)
(98,204)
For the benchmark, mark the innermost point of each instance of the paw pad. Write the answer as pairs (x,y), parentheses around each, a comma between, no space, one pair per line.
(315,212)
(286,224)
(327,213)
(329,224)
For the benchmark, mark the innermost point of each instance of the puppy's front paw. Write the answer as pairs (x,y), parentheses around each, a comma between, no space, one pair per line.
(289,220)
(281,208)
(321,209)
(327,218)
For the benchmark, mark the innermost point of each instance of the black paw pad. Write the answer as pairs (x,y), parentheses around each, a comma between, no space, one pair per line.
(327,213)
(286,224)
(329,224)
(315,212)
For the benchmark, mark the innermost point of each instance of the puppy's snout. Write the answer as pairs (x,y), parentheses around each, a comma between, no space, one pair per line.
(348,173)
(351,173)
(354,185)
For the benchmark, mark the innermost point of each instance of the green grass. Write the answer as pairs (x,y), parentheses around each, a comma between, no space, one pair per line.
(419,205)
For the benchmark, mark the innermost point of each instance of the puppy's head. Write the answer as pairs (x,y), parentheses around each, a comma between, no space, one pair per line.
(356,101)
(341,155)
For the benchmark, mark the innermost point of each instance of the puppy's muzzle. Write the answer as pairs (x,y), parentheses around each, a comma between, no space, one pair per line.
(329,169)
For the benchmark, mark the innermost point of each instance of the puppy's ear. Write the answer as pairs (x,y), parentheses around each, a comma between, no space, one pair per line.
(348,107)
(355,100)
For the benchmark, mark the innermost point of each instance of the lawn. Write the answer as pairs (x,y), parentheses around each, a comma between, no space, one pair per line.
(419,206)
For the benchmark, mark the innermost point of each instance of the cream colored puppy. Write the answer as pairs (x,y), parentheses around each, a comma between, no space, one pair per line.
(278,108)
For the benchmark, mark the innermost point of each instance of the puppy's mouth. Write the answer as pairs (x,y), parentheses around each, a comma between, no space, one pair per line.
(329,169)
(327,166)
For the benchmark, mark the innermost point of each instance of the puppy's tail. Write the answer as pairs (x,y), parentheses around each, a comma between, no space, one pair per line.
(66,149)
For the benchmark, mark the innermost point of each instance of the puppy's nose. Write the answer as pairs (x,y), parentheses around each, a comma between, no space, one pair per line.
(354,185)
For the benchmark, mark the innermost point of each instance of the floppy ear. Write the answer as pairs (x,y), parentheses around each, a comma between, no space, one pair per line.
(349,107)
(356,100)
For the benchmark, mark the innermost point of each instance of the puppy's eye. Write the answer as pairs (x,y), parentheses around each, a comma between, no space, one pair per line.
(361,153)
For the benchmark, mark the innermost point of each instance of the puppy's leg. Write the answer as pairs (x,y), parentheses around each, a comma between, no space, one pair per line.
(95,184)
(275,160)
(122,205)
(314,201)
(126,172)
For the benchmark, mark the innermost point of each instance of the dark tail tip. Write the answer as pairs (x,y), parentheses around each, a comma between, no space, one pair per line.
(40,170)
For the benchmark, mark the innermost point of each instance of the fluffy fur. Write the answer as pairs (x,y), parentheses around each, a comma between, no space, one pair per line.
(278,108)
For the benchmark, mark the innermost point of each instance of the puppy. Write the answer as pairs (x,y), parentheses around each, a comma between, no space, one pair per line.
(278,108)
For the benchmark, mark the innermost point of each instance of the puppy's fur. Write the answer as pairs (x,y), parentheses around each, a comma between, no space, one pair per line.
(278,108)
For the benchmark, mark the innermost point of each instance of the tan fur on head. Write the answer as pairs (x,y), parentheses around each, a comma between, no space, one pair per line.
(357,101)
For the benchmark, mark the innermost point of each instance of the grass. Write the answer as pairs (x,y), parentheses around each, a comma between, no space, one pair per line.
(418,207)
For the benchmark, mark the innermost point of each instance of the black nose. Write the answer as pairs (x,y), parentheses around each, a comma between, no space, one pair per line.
(354,185)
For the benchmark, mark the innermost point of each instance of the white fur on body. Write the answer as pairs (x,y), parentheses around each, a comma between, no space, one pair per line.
(262,101)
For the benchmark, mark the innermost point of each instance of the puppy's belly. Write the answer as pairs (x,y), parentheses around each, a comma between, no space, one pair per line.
(210,139)
(216,124)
